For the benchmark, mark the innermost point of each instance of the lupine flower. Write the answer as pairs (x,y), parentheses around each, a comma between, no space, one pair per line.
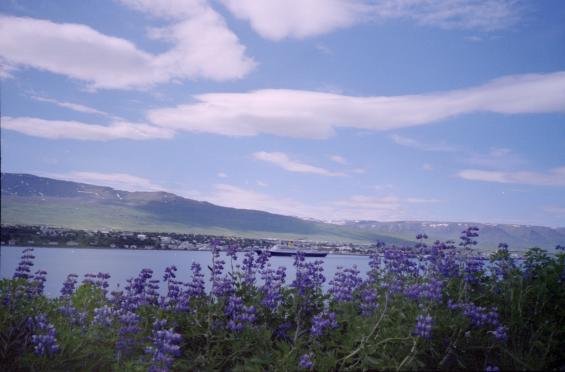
(23,271)
(322,322)
(492,369)
(345,282)
(104,316)
(44,336)
(249,269)
(368,301)
(172,298)
(37,285)
(69,286)
(263,259)
(238,314)
(221,286)
(273,282)
(423,326)
(165,346)
(309,275)
(129,329)
(196,285)
(306,361)
(500,333)
(468,235)
(231,251)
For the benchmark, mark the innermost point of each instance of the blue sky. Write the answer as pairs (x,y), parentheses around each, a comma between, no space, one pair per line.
(330,109)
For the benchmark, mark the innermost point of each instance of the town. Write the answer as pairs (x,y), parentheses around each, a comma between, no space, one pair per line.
(48,236)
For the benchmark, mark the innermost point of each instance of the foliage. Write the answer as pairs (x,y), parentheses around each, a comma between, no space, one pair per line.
(437,306)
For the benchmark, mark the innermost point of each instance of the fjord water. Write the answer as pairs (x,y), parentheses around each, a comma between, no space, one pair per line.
(123,264)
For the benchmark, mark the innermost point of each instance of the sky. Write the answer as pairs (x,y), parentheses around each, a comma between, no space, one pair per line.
(382,110)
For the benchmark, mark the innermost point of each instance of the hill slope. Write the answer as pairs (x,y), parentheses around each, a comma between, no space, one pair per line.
(518,237)
(32,200)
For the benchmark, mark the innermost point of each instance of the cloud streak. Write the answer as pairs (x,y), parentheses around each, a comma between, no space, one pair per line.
(59,129)
(554,177)
(310,114)
(72,106)
(412,143)
(280,19)
(283,161)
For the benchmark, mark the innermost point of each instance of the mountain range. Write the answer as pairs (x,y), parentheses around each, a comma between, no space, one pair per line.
(33,200)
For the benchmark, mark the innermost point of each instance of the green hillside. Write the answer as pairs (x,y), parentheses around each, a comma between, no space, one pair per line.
(32,200)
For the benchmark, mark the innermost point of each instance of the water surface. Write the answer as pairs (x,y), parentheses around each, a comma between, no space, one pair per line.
(123,264)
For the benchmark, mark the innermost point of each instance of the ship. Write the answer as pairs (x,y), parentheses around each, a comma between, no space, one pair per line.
(277,251)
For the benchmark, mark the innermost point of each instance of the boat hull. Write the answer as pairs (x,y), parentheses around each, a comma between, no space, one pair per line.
(290,254)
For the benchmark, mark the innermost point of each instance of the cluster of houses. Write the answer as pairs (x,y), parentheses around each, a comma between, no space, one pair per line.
(61,237)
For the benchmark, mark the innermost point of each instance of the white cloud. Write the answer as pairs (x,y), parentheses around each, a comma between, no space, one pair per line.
(279,19)
(202,47)
(120,181)
(427,167)
(359,171)
(410,142)
(554,177)
(338,159)
(283,161)
(59,129)
(222,175)
(309,114)
(497,157)
(71,106)
(262,183)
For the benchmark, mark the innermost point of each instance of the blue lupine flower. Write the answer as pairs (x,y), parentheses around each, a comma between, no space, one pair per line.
(165,346)
(423,327)
(306,361)
(44,336)
(345,282)
(322,322)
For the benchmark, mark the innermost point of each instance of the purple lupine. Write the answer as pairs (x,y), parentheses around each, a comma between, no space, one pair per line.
(309,275)
(249,269)
(344,284)
(221,285)
(238,315)
(501,333)
(273,282)
(263,259)
(165,346)
(102,282)
(44,336)
(306,361)
(104,316)
(89,279)
(423,327)
(69,286)
(37,283)
(426,291)
(467,237)
(195,288)
(231,251)
(141,290)
(492,369)
(126,343)
(368,303)
(322,322)
(172,299)
(23,271)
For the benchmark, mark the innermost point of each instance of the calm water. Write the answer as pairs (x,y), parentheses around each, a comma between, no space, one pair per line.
(124,264)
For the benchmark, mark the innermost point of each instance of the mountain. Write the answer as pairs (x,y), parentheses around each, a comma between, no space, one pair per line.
(518,237)
(33,200)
